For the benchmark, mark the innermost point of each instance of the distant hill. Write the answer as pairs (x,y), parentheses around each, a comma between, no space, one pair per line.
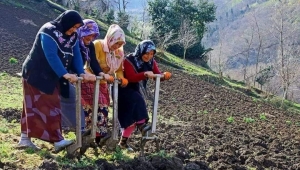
(234,36)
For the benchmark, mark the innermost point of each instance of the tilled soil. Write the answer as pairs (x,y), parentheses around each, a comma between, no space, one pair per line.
(204,126)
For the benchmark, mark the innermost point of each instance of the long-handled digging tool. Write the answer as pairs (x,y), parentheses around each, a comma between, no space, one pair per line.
(78,143)
(116,128)
(83,141)
(150,135)
(90,135)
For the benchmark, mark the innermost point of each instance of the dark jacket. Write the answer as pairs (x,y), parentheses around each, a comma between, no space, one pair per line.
(36,68)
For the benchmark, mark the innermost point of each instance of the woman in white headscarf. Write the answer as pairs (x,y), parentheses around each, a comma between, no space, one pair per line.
(110,55)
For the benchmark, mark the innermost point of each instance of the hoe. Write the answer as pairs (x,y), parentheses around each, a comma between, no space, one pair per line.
(83,141)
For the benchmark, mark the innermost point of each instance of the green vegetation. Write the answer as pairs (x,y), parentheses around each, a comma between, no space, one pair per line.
(248,120)
(11,92)
(262,116)
(230,119)
(13,60)
(288,122)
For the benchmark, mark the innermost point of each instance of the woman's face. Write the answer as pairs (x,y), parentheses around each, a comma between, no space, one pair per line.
(148,56)
(73,29)
(88,39)
(116,46)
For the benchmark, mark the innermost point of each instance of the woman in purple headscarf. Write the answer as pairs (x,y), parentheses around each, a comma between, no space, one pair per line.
(88,33)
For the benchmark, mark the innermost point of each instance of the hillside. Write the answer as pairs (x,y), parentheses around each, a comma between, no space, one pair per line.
(201,125)
(247,31)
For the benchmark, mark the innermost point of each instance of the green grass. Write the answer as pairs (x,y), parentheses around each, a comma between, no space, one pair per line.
(11,91)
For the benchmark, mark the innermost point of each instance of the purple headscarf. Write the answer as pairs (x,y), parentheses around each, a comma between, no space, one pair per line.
(89,27)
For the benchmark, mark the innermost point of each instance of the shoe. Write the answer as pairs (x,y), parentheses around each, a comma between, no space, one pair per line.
(27,144)
(126,146)
(85,132)
(103,140)
(58,146)
(144,128)
(123,144)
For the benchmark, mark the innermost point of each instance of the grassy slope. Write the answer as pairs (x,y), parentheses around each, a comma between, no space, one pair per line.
(11,97)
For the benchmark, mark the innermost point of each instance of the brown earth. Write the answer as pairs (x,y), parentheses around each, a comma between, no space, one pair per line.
(194,115)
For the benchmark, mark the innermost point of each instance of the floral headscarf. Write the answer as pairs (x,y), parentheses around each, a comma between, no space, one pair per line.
(89,27)
(141,49)
(114,35)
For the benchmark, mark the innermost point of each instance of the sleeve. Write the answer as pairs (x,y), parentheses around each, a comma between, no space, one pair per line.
(94,63)
(131,74)
(50,49)
(119,72)
(77,62)
(155,68)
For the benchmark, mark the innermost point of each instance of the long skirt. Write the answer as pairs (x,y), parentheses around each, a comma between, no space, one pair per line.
(41,116)
(68,108)
(131,107)
(87,94)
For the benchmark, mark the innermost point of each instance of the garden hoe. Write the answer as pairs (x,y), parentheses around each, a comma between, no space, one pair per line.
(83,141)
(150,134)
(87,139)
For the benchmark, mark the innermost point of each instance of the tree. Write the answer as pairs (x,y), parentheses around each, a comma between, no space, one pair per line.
(109,16)
(249,42)
(167,15)
(122,16)
(187,36)
(265,75)
(284,31)
(164,41)
(259,48)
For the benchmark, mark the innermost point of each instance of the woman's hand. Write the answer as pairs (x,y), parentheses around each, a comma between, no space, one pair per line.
(88,77)
(107,77)
(149,74)
(72,78)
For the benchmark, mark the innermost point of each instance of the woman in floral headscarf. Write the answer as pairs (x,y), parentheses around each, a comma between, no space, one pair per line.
(109,55)
(138,66)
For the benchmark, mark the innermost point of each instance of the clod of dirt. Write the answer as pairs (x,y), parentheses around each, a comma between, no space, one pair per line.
(1,165)
(166,164)
(11,114)
(49,164)
(103,164)
(191,166)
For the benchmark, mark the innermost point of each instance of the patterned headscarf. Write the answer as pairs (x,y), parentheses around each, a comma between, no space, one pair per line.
(141,49)
(89,27)
(114,35)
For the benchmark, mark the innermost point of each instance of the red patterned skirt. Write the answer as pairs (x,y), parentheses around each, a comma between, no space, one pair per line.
(41,116)
(87,93)
(87,96)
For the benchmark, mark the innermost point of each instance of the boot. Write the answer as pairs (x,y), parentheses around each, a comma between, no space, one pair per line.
(102,140)
(25,142)
(144,128)
(123,144)
(58,146)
